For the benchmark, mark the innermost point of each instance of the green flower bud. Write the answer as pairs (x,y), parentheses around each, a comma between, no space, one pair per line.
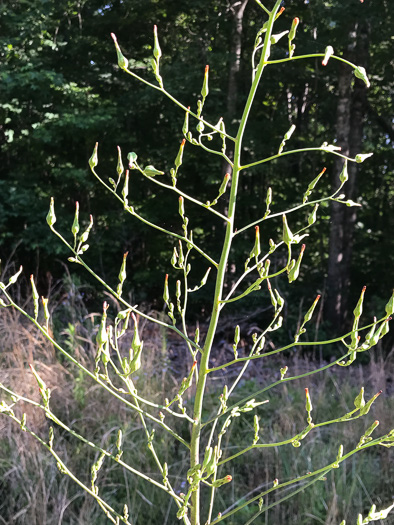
(343,177)
(181,206)
(35,297)
(93,161)
(365,409)
(102,335)
(119,167)
(178,160)
(156,47)
(287,235)
(293,28)
(219,482)
(359,402)
(362,156)
(132,159)
(359,307)
(185,128)
(360,73)
(151,171)
(268,199)
(122,275)
(166,294)
(294,272)
(75,225)
(277,37)
(51,217)
(205,90)
(389,308)
(122,61)
(84,237)
(312,216)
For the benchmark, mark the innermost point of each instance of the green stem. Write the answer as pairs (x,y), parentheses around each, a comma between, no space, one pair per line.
(291,152)
(221,273)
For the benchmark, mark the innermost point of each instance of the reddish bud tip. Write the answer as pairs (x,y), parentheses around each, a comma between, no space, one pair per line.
(303,248)
(31,277)
(318,297)
(180,198)
(183,142)
(155,27)
(376,422)
(364,288)
(188,108)
(257,228)
(323,170)
(133,317)
(206,69)
(166,276)
(194,365)
(296,21)
(380,391)
(306,391)
(229,478)
(113,37)
(281,10)
(31,367)
(227,176)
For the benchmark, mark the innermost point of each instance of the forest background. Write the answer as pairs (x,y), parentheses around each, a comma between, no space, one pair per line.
(61,91)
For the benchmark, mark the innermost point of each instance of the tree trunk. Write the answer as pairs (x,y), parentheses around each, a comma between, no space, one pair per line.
(351,109)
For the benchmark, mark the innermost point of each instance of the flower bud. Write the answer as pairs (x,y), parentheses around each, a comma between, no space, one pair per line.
(93,161)
(219,482)
(312,216)
(119,167)
(360,73)
(132,159)
(293,28)
(205,89)
(359,307)
(362,156)
(122,61)
(84,237)
(151,171)
(75,225)
(178,160)
(51,217)
(389,308)
(122,274)
(359,402)
(287,235)
(294,272)
(166,294)
(156,46)
(181,206)
(328,52)
(343,177)
(102,335)
(185,128)
(35,297)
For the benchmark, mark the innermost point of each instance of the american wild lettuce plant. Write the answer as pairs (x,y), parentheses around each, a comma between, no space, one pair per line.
(116,366)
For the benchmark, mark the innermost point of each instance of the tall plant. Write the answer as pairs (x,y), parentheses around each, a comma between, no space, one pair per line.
(114,368)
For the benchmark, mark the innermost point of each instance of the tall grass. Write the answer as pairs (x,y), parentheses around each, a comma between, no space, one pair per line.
(33,492)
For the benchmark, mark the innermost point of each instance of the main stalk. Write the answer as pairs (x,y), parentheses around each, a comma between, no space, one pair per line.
(220,279)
